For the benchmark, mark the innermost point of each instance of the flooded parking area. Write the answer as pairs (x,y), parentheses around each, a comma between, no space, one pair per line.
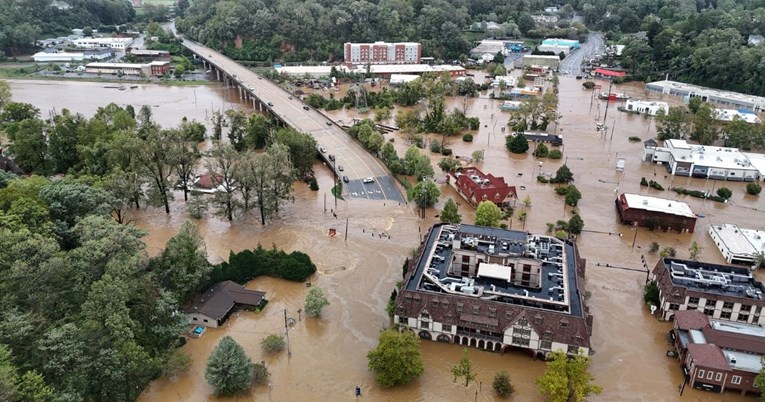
(329,354)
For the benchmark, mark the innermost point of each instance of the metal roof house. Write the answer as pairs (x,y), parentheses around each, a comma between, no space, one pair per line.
(725,98)
(497,290)
(215,305)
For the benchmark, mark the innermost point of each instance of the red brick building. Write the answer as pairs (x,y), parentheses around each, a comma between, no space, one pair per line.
(718,355)
(644,211)
(475,186)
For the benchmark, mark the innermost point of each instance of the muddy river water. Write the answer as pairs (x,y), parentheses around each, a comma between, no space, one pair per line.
(329,354)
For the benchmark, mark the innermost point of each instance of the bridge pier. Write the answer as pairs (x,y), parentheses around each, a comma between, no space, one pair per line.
(241,94)
(217,74)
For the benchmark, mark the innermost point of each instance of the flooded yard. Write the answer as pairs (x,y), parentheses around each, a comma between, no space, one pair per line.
(329,354)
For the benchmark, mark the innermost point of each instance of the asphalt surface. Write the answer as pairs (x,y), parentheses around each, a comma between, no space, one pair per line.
(356,161)
(572,64)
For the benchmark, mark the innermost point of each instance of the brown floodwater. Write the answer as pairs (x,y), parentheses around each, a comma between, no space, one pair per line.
(329,354)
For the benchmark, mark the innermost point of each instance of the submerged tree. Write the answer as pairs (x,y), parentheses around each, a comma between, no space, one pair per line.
(229,370)
(397,358)
(464,369)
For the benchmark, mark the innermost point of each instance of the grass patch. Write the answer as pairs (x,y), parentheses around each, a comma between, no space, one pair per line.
(408,186)
(337,191)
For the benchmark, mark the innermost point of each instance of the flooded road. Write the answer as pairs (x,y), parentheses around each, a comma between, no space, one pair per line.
(329,354)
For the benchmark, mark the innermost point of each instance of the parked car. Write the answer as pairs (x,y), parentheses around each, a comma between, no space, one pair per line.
(270,104)
(322,149)
(289,97)
(368,180)
(306,108)
(331,157)
(345,179)
(340,168)
(329,123)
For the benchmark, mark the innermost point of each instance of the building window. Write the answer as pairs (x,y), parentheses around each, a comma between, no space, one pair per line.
(459,306)
(709,311)
(674,307)
(403,320)
(718,377)
(425,316)
(517,340)
(196,319)
(522,322)
(572,350)
(728,305)
(725,315)
(736,380)
(701,373)
(546,345)
(476,309)
(711,303)
(423,324)
(693,300)
(746,307)
(710,373)
(492,312)
(446,328)
(205,320)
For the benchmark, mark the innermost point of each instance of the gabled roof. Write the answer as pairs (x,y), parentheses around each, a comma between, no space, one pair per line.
(221,297)
(691,319)
(480,186)
(609,73)
(708,355)
(208,180)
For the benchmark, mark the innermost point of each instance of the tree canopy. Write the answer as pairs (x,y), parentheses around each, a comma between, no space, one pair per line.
(397,359)
(229,370)
(488,214)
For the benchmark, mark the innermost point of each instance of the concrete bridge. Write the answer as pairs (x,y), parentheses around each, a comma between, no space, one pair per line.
(352,163)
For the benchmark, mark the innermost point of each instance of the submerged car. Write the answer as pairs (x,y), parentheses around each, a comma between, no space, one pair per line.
(368,180)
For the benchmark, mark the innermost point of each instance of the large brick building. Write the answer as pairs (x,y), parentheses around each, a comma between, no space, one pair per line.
(497,289)
(383,53)
(719,291)
(718,355)
(475,186)
(644,211)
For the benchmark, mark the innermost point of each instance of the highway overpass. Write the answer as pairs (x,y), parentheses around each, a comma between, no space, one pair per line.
(350,158)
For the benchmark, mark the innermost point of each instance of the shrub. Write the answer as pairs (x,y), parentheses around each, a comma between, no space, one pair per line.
(541,151)
(653,248)
(272,343)
(655,185)
(446,152)
(643,182)
(555,154)
(753,188)
(467,137)
(517,144)
(502,385)
(313,184)
(634,139)
(724,192)
(651,293)
(542,179)
(588,85)
(435,147)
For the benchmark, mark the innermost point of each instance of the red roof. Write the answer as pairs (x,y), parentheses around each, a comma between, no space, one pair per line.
(208,181)
(477,186)
(609,73)
(707,355)
(691,319)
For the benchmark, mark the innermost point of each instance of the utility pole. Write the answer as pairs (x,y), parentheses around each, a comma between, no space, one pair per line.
(608,101)
(346,229)
(287,333)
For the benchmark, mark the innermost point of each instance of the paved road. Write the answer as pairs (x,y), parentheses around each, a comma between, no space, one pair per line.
(572,64)
(357,163)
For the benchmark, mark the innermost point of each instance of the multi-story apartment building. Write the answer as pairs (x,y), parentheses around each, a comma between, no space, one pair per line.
(383,53)
(497,289)
(719,291)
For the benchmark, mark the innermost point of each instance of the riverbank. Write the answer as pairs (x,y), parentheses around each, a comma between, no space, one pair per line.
(31,72)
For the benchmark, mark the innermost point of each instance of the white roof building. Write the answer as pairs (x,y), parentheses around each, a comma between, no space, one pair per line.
(398,79)
(384,70)
(649,108)
(730,115)
(114,43)
(488,46)
(704,161)
(724,98)
(738,246)
(656,204)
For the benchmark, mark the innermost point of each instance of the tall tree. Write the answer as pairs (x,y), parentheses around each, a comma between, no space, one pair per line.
(426,193)
(237,124)
(184,156)
(302,148)
(449,214)
(567,378)
(464,369)
(222,168)
(282,174)
(397,359)
(488,214)
(229,370)
(183,267)
(156,158)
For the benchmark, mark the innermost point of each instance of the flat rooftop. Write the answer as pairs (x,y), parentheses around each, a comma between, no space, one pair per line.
(724,280)
(656,204)
(711,156)
(699,90)
(489,46)
(501,254)
(757,161)
(374,69)
(743,361)
(740,241)
(738,328)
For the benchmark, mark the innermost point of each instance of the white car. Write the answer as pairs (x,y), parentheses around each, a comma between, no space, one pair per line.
(368,180)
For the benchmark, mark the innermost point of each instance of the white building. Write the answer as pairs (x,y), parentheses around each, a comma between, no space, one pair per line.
(724,98)
(703,161)
(508,80)
(399,79)
(738,246)
(557,49)
(730,115)
(645,107)
(51,55)
(537,60)
(488,47)
(93,43)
